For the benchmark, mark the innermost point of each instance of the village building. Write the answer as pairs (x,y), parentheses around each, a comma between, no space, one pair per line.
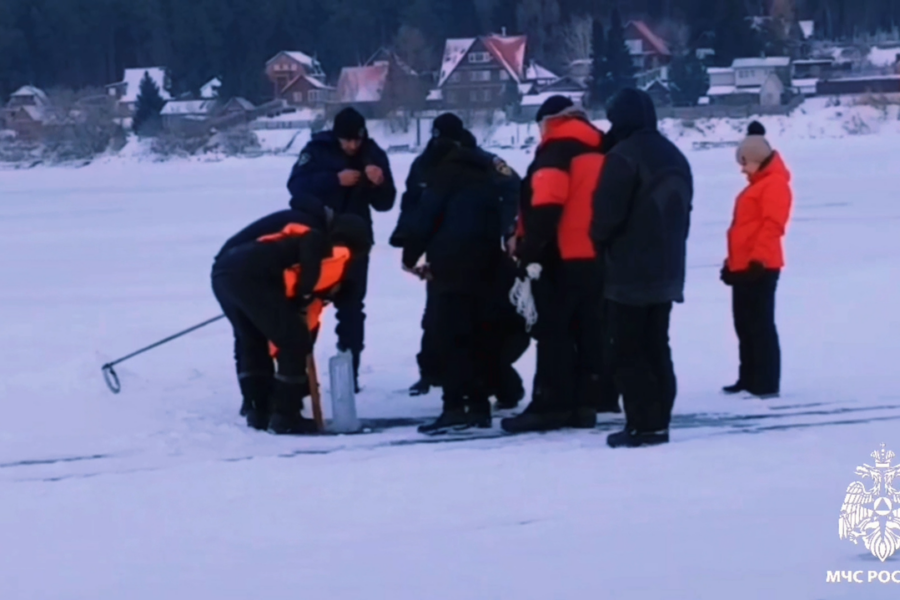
(482,73)
(26,112)
(649,52)
(298,79)
(383,85)
(751,81)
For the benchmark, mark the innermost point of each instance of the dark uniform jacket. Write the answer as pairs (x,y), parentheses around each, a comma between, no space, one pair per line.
(642,208)
(506,181)
(459,220)
(316,175)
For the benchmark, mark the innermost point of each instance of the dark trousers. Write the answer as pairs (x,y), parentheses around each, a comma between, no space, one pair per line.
(642,363)
(570,340)
(753,306)
(259,313)
(429,357)
(349,307)
(462,332)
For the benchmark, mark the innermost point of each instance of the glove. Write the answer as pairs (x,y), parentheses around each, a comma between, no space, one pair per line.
(726,276)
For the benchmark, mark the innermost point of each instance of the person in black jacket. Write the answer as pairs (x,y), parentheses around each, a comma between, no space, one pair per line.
(314,216)
(350,174)
(458,223)
(641,219)
(267,287)
(507,385)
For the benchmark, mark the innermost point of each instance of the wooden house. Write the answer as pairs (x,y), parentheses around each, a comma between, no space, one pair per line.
(298,79)
(26,113)
(481,73)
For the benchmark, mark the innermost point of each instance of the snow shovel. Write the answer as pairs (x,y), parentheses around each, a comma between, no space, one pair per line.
(343,401)
(314,392)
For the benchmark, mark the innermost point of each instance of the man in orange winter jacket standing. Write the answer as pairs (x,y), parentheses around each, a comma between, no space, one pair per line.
(755,260)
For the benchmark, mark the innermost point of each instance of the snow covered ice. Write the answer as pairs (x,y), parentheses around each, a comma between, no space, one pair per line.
(162,492)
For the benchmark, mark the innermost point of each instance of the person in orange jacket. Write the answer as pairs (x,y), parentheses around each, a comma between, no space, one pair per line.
(755,260)
(272,288)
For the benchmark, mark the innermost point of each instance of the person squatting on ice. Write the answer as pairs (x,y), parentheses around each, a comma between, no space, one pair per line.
(754,263)
(554,232)
(272,280)
(459,224)
(508,336)
(641,219)
(347,171)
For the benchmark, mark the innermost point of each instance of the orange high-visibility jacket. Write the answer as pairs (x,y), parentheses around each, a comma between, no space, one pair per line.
(761,215)
(332,272)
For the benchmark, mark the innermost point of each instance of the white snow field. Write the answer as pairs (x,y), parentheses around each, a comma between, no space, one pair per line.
(162,492)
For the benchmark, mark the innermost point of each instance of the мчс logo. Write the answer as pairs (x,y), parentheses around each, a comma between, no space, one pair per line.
(873,514)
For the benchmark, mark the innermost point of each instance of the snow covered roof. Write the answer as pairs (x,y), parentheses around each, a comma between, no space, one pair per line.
(536,72)
(721,90)
(768,61)
(525,88)
(242,102)
(435,95)
(35,113)
(808,28)
(316,83)
(454,51)
(210,89)
(132,83)
(300,57)
(362,84)
(719,70)
(538,99)
(883,57)
(807,85)
(29,91)
(653,40)
(386,54)
(188,107)
(509,51)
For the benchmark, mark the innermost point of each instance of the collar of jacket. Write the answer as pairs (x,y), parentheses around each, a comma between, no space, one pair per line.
(571,127)
(774,165)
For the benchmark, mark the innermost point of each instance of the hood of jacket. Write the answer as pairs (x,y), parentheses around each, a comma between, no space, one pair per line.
(629,111)
(572,128)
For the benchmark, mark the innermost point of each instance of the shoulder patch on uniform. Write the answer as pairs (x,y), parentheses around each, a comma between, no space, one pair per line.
(303,159)
(502,167)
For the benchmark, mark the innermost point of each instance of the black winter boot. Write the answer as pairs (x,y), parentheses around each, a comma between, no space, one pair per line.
(256,391)
(543,414)
(735,388)
(287,404)
(635,439)
(452,419)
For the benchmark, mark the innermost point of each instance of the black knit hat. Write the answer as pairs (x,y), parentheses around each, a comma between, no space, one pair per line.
(553,106)
(448,126)
(353,232)
(349,125)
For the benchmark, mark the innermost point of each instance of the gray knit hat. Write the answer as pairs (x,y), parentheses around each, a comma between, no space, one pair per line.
(755,148)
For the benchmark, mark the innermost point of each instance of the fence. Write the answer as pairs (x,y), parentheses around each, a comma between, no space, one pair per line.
(717,111)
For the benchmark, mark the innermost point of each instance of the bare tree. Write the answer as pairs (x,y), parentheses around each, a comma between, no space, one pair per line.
(80,124)
(574,40)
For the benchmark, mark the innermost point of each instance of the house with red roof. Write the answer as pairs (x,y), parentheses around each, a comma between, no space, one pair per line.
(648,51)
(298,79)
(487,72)
(384,84)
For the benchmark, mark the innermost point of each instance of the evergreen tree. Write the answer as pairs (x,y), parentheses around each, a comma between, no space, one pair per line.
(621,67)
(689,79)
(601,78)
(734,35)
(146,121)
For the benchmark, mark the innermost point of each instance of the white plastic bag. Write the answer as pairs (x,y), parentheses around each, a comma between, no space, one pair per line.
(521,297)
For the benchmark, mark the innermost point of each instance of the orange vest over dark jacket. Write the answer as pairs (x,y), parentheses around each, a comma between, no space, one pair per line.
(332,272)
(565,173)
(761,215)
